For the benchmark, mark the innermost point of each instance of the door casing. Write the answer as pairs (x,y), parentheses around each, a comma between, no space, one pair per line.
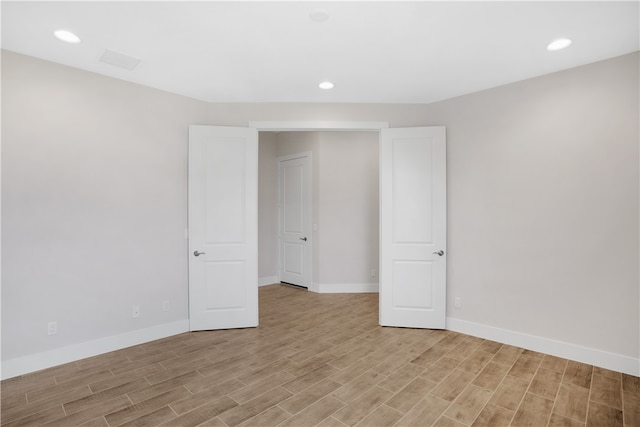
(284,126)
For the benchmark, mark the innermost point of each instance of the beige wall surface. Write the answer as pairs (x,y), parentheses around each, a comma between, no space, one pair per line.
(543,195)
(542,199)
(543,206)
(267,205)
(348,207)
(94,196)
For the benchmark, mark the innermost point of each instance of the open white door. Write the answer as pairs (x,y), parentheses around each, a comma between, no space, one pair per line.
(413,227)
(223,227)
(294,201)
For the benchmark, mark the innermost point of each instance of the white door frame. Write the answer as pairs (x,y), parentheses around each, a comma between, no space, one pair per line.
(284,126)
(312,126)
(293,126)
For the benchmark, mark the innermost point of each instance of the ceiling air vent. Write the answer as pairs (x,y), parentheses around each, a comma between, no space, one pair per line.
(119,60)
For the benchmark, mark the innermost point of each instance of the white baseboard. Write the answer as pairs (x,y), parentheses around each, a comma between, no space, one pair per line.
(267,280)
(344,288)
(591,356)
(35,362)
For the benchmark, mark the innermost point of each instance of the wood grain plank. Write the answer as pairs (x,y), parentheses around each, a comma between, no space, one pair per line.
(578,373)
(510,392)
(383,416)
(315,413)
(255,406)
(546,383)
(204,413)
(469,404)
(604,416)
(425,413)
(572,402)
(146,407)
(493,415)
(415,391)
(453,385)
(363,406)
(301,400)
(491,376)
(533,411)
(271,417)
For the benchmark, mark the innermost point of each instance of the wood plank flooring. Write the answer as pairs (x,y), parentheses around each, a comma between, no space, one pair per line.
(322,360)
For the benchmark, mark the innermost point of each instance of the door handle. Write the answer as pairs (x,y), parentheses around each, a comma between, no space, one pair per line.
(196,253)
(303,238)
(439,253)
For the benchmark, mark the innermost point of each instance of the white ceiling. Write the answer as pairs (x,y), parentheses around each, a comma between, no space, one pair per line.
(380,52)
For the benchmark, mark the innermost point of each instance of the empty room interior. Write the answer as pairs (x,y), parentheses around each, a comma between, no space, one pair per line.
(454,187)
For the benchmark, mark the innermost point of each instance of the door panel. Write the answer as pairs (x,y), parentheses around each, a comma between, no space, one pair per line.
(413,227)
(295,219)
(223,188)
(411,161)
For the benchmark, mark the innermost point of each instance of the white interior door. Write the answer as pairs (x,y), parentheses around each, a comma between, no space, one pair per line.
(223,227)
(413,227)
(294,177)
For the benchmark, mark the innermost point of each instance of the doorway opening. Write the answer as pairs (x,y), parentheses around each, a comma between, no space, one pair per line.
(342,226)
(224,213)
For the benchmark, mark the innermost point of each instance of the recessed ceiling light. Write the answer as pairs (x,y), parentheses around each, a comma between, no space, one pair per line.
(319,15)
(558,44)
(326,85)
(66,36)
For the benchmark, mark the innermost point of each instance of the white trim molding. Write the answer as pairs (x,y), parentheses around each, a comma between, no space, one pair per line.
(35,362)
(284,126)
(591,356)
(344,288)
(267,280)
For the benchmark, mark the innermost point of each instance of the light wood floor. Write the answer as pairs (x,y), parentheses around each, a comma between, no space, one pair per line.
(322,360)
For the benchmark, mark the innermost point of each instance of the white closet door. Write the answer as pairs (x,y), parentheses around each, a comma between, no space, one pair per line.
(223,231)
(294,174)
(413,227)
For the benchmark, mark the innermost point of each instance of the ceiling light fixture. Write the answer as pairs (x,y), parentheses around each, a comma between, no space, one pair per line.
(559,44)
(66,36)
(326,85)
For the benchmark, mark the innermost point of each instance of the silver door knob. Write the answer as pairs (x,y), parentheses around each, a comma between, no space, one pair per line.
(196,253)
(439,253)
(303,238)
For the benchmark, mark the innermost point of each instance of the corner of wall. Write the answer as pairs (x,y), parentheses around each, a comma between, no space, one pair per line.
(47,359)
(591,356)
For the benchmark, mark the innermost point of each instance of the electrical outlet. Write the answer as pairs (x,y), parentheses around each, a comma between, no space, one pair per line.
(373,273)
(52,328)
(135,312)
(457,302)
(165,305)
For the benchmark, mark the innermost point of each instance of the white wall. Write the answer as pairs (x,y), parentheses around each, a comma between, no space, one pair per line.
(348,210)
(94,194)
(543,195)
(267,209)
(543,206)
